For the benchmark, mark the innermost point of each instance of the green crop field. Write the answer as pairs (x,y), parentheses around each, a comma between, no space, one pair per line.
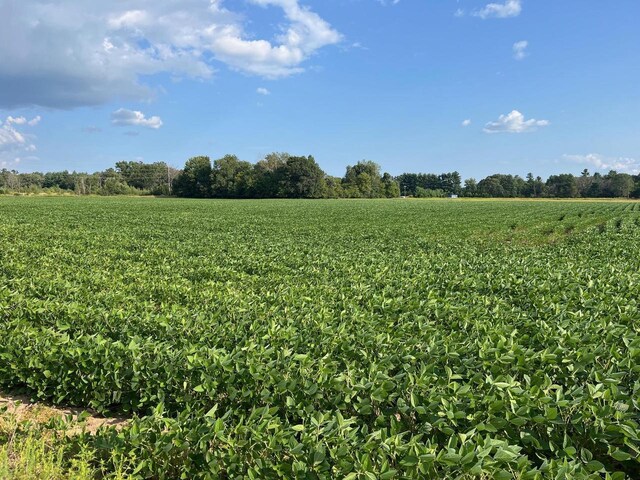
(346,339)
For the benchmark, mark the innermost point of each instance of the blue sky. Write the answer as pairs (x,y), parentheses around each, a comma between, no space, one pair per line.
(476,86)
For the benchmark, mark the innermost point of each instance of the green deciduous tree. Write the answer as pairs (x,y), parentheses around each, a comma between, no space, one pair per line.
(470,187)
(562,186)
(620,184)
(390,186)
(195,179)
(363,180)
(301,177)
(267,174)
(231,178)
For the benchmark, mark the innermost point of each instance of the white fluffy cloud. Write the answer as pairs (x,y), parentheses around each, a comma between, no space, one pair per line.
(514,122)
(13,142)
(520,49)
(263,91)
(15,120)
(128,118)
(603,163)
(466,123)
(510,8)
(9,136)
(68,53)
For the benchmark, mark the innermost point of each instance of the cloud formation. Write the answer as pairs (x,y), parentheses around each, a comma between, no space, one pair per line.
(67,53)
(127,118)
(510,8)
(15,143)
(466,123)
(263,91)
(520,50)
(603,163)
(514,122)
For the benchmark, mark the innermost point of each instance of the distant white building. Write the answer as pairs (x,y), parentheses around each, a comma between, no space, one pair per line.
(453,196)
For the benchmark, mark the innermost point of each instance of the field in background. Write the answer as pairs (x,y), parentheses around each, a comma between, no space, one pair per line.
(330,339)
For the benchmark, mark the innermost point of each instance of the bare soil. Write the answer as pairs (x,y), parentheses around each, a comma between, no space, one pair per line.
(22,409)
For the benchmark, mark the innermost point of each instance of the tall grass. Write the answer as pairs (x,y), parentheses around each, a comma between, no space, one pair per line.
(31,451)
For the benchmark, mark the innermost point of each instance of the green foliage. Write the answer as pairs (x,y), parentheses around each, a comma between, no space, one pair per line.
(151,177)
(280,175)
(391,187)
(363,180)
(302,177)
(195,179)
(499,185)
(563,185)
(335,339)
(29,451)
(429,193)
(231,178)
(114,187)
(449,183)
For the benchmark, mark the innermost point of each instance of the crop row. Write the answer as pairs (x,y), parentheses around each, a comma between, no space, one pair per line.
(333,339)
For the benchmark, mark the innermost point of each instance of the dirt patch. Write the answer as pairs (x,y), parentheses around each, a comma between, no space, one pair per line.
(22,409)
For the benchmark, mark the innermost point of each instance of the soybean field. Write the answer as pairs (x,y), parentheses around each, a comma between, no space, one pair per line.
(330,339)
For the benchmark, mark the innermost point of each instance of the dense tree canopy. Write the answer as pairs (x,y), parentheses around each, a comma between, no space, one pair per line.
(231,177)
(195,179)
(436,185)
(302,177)
(281,175)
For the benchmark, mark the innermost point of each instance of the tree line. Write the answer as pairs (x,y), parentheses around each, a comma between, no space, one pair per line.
(280,175)
(127,178)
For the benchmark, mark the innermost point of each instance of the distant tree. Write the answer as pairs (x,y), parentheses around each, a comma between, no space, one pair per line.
(584,182)
(620,184)
(430,192)
(513,186)
(366,185)
(333,187)
(9,179)
(408,183)
(267,175)
(231,178)
(451,183)
(195,179)
(529,187)
(597,187)
(283,175)
(430,181)
(363,180)
(563,185)
(540,187)
(301,177)
(31,180)
(390,186)
(491,187)
(470,187)
(63,180)
(152,177)
(82,184)
(636,188)
(114,186)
